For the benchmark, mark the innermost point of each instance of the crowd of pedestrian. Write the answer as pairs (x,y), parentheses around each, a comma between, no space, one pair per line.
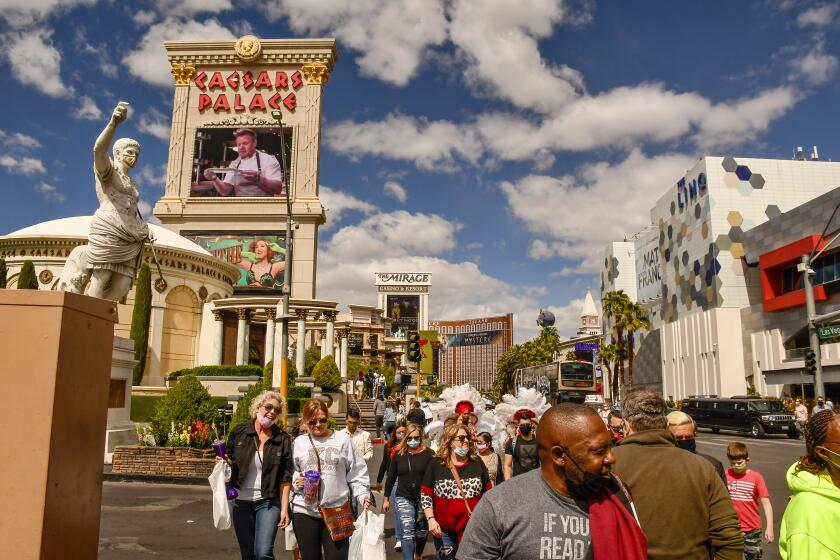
(627,485)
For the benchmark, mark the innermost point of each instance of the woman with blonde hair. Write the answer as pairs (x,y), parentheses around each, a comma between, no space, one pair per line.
(260,455)
(407,468)
(454,482)
(342,476)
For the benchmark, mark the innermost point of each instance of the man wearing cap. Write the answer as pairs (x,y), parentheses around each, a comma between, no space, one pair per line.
(256,173)
(521,452)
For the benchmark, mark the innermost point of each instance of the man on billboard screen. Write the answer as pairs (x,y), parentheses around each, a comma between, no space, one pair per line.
(252,173)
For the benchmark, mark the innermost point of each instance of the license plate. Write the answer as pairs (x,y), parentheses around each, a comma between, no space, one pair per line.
(785,428)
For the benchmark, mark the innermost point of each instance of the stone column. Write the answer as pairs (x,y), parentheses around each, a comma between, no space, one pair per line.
(242,336)
(270,328)
(343,334)
(153,374)
(323,333)
(218,337)
(183,73)
(301,340)
(330,318)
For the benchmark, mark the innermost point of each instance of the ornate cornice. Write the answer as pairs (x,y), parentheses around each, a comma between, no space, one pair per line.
(217,314)
(243,313)
(292,52)
(301,313)
(329,316)
(240,120)
(270,313)
(316,73)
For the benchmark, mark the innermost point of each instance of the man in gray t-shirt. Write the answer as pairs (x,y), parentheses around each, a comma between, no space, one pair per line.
(545,513)
(545,525)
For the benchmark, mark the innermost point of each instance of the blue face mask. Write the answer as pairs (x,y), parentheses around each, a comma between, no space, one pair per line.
(413,442)
(462,451)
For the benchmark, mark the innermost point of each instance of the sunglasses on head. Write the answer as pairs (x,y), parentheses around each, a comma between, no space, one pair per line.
(271,408)
(317,421)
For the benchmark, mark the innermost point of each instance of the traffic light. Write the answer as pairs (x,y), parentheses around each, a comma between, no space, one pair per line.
(413,338)
(810,362)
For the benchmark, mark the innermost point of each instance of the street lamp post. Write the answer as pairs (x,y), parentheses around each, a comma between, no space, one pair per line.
(280,372)
(811,310)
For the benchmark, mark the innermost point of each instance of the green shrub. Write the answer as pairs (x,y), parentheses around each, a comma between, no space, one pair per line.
(242,414)
(3,273)
(310,359)
(219,371)
(27,279)
(300,392)
(143,406)
(291,373)
(140,322)
(187,401)
(326,374)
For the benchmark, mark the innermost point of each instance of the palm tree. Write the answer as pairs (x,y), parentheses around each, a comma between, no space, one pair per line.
(607,356)
(614,307)
(635,319)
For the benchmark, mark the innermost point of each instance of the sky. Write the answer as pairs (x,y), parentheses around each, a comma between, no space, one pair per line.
(499,145)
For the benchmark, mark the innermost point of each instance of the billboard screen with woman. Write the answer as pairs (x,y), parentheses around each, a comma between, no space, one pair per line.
(260,257)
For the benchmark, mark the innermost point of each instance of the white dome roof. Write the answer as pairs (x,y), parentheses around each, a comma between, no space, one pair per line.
(77,227)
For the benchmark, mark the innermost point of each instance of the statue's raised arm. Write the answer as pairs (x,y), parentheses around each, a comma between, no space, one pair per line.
(117,230)
(101,161)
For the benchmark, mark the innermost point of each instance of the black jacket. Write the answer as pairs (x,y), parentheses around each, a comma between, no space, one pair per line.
(416,416)
(277,457)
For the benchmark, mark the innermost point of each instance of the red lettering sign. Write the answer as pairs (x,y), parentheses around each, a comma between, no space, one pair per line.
(237,103)
(281,80)
(221,103)
(233,80)
(263,81)
(204,101)
(257,102)
(199,80)
(274,100)
(290,102)
(216,82)
(236,80)
(248,80)
(297,79)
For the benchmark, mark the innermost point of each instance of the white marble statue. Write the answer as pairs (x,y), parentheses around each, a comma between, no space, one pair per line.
(117,231)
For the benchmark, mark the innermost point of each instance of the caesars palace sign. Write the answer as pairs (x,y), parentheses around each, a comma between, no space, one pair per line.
(240,91)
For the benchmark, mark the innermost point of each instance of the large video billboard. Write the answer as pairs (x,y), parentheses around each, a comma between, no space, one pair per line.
(404,312)
(245,165)
(260,257)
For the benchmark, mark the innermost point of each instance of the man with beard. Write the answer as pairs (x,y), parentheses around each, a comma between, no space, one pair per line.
(574,508)
(683,505)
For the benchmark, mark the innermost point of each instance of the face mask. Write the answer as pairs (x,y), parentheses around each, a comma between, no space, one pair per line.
(590,486)
(741,469)
(827,450)
(398,437)
(413,442)
(481,446)
(687,444)
(462,451)
(264,421)
(525,429)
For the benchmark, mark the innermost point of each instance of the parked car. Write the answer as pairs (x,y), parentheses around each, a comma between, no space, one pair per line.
(753,415)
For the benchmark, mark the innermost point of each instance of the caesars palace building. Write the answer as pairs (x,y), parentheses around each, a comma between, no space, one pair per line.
(222,253)
(716,269)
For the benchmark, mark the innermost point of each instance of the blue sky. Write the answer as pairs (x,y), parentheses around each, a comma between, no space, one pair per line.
(499,145)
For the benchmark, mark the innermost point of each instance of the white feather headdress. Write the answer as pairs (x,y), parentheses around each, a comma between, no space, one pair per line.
(445,407)
(525,399)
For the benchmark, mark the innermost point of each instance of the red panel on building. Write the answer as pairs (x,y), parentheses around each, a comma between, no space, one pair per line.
(772,266)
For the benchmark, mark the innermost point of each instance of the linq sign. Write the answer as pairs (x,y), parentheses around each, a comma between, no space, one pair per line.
(266,91)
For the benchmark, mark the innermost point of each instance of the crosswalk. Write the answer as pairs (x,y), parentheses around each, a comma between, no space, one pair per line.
(723,441)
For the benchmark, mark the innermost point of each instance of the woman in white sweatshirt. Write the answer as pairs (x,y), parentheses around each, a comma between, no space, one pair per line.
(342,471)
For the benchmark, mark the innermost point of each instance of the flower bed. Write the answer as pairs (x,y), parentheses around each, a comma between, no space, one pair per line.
(163,461)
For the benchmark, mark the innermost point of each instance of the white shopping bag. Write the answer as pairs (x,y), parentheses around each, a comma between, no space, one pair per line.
(374,528)
(291,539)
(221,506)
(357,539)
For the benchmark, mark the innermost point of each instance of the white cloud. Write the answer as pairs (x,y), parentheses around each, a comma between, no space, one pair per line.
(21,13)
(151,176)
(429,144)
(395,190)
(815,66)
(728,124)
(394,234)
(337,203)
(820,16)
(23,165)
(154,123)
(18,140)
(36,62)
(570,222)
(499,34)
(50,193)
(142,18)
(188,8)
(148,60)
(392,35)
(88,110)
(146,211)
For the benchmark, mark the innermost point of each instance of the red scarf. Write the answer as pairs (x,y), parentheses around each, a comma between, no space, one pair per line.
(616,534)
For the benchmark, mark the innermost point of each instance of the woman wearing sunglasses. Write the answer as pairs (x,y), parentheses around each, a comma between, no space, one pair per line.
(260,455)
(454,482)
(343,477)
(407,468)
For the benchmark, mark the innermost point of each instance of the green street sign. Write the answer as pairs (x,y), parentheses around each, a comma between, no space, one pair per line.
(831,331)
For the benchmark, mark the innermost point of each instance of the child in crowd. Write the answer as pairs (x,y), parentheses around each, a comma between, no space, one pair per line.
(747,489)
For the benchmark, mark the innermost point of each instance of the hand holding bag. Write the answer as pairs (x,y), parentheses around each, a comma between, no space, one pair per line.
(339,520)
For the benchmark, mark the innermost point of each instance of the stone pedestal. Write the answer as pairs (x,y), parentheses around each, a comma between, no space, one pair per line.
(57,369)
(120,430)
